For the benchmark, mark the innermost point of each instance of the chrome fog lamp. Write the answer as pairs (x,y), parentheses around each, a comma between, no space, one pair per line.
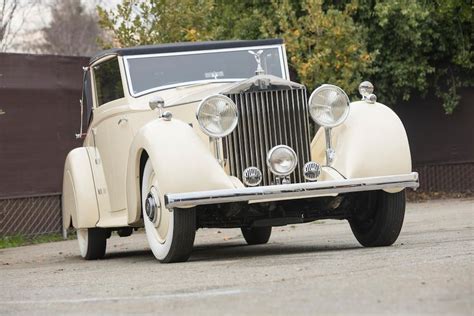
(282,160)
(311,171)
(252,176)
(329,105)
(217,115)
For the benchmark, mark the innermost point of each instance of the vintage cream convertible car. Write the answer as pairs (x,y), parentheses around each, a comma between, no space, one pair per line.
(190,135)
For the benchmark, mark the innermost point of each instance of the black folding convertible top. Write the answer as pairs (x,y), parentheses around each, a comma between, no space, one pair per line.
(182,47)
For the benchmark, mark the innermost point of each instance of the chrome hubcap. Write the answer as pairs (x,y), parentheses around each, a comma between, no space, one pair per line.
(152,206)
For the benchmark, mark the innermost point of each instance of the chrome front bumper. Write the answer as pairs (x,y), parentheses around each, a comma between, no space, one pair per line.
(291,191)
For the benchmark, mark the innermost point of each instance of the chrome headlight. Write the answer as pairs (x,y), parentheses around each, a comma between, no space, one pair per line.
(217,115)
(282,160)
(329,105)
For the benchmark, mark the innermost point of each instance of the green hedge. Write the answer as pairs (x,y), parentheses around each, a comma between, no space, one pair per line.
(404,47)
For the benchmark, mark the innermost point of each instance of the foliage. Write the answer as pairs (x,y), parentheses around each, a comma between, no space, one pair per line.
(20,240)
(143,22)
(421,46)
(405,47)
(240,19)
(453,56)
(324,46)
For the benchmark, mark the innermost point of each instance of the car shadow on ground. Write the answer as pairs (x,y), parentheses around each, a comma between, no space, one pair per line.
(215,252)
(236,250)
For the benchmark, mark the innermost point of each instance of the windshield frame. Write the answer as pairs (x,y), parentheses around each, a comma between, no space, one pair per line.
(281,53)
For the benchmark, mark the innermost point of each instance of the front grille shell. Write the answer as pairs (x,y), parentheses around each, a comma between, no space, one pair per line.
(268,118)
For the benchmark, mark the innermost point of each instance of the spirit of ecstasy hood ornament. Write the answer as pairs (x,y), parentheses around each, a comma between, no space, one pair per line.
(259,70)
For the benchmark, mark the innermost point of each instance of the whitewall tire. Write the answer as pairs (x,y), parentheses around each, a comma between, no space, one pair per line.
(170,234)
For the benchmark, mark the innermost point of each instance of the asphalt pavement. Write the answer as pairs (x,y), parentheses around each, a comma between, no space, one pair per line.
(315,268)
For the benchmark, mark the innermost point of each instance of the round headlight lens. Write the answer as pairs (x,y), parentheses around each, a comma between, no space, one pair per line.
(217,115)
(282,160)
(329,105)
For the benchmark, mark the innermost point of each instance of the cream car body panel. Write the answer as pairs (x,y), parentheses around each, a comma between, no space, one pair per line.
(191,168)
(360,151)
(79,201)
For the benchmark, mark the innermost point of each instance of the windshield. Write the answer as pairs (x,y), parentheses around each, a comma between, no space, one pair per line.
(146,73)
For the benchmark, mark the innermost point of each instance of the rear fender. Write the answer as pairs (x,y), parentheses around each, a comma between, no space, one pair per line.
(79,200)
(181,160)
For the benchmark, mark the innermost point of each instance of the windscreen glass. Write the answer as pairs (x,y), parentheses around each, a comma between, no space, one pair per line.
(148,73)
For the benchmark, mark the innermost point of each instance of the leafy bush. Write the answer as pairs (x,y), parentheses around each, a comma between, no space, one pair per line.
(323,46)
(421,46)
(404,47)
(142,22)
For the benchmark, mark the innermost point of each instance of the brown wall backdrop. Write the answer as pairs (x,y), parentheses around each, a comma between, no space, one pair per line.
(40,97)
(437,138)
(441,145)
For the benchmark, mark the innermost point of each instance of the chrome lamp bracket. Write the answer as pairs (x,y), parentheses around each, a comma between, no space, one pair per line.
(216,143)
(330,152)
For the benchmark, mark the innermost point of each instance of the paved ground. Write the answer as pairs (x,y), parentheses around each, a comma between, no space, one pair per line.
(311,268)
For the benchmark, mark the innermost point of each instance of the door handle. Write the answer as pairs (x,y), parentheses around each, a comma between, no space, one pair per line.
(122,120)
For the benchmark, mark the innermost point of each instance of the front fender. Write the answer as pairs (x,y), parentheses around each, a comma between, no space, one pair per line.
(371,142)
(180,159)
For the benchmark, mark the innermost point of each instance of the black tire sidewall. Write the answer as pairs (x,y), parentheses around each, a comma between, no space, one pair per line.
(256,235)
(96,243)
(386,223)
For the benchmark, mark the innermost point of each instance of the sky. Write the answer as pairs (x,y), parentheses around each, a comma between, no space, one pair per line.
(33,15)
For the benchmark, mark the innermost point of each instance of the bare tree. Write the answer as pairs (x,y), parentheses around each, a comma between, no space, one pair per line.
(8,9)
(7,12)
(72,31)
(16,25)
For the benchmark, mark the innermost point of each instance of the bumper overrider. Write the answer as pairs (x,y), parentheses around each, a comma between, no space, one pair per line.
(291,191)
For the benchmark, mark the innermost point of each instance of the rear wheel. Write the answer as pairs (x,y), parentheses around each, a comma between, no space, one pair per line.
(256,235)
(170,234)
(380,223)
(92,242)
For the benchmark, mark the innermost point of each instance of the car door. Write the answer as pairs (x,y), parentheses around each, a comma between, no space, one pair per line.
(112,133)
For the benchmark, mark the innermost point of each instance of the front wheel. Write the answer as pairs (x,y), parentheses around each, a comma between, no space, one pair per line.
(256,235)
(380,221)
(92,242)
(170,233)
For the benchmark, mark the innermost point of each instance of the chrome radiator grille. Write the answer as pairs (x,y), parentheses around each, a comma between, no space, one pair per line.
(268,118)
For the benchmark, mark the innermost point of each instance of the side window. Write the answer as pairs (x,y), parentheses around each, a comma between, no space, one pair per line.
(108,81)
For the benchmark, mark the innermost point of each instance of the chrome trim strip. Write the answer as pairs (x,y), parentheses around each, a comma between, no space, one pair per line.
(246,130)
(306,122)
(286,191)
(238,143)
